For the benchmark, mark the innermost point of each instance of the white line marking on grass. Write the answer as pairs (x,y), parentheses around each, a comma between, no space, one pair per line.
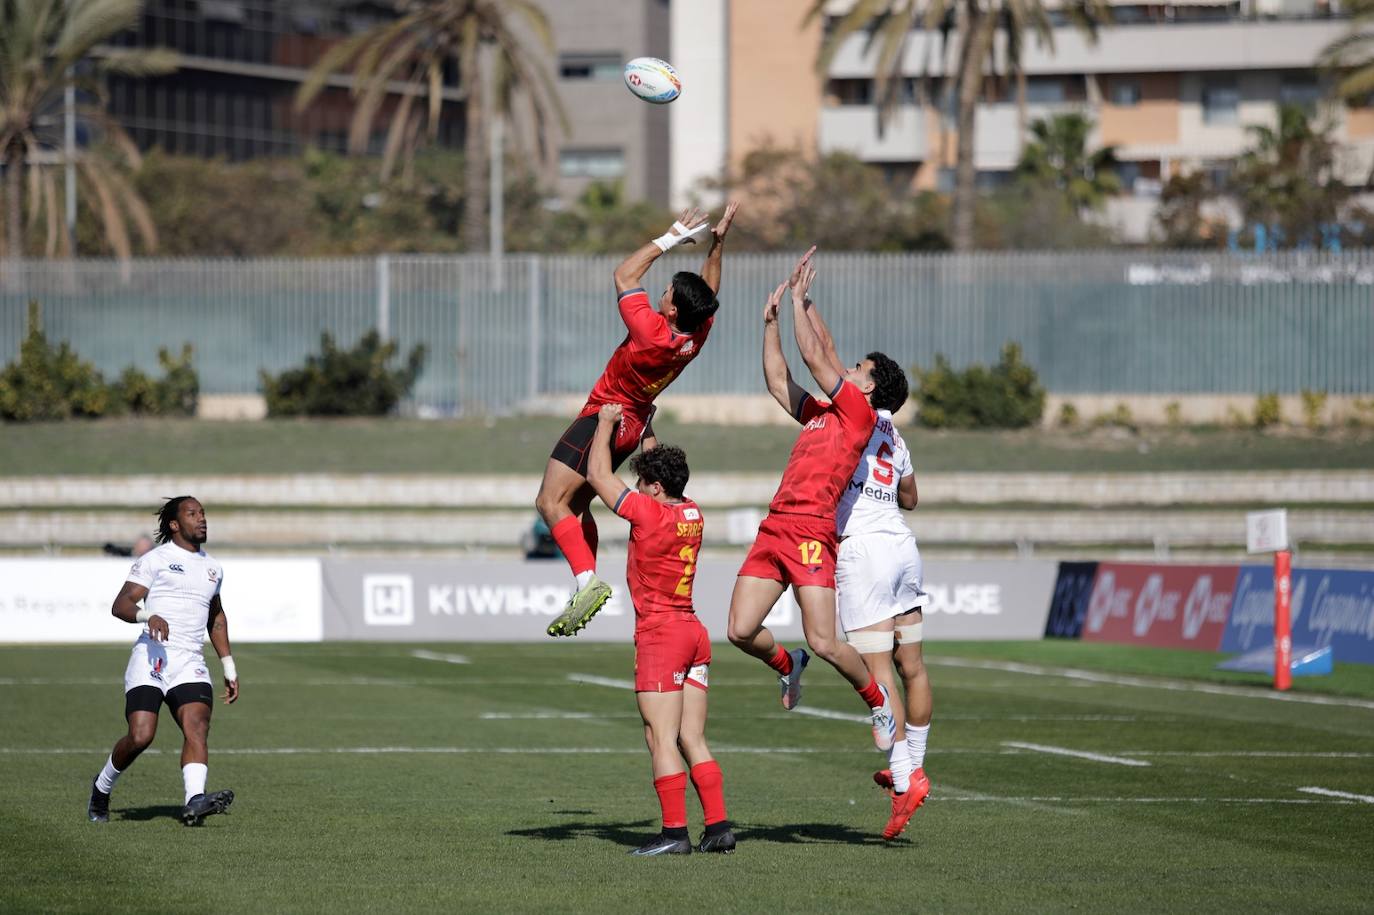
(988,798)
(834,716)
(1327,792)
(1262,754)
(1079,754)
(547,716)
(594,680)
(435,656)
(1070,673)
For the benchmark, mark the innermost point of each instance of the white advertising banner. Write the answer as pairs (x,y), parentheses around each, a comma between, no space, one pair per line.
(68,600)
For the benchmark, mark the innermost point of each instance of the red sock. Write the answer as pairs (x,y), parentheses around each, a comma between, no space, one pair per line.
(672,798)
(589,534)
(781,660)
(707,779)
(568,535)
(871,694)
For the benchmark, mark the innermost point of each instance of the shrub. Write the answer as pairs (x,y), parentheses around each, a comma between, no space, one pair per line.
(1068,415)
(1007,396)
(1313,408)
(1267,412)
(48,382)
(1173,414)
(175,394)
(340,382)
(1120,417)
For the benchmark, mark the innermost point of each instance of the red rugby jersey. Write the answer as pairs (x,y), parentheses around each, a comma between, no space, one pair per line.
(665,539)
(647,360)
(832,440)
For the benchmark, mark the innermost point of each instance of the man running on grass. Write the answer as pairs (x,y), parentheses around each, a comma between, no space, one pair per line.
(179,585)
(672,647)
(796,542)
(659,345)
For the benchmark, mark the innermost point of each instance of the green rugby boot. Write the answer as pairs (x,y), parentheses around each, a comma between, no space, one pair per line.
(581,608)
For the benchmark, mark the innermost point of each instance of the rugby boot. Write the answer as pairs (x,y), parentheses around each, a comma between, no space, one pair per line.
(98,810)
(722,841)
(581,608)
(906,803)
(204,805)
(664,845)
(791,683)
(884,723)
(883,779)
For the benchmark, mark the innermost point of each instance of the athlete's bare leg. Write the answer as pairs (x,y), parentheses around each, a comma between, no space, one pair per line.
(691,738)
(662,714)
(879,665)
(818,622)
(562,492)
(194,720)
(911,666)
(750,603)
(142,730)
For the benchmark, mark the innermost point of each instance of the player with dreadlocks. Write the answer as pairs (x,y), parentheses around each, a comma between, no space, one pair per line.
(178,584)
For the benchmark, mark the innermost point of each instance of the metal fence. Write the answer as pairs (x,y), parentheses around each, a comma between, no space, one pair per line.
(498,336)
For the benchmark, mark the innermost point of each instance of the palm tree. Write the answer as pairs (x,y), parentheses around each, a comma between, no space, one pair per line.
(968,29)
(485,39)
(1058,156)
(42,42)
(1288,180)
(1353,53)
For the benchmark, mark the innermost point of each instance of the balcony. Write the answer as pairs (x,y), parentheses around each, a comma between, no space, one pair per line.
(854,129)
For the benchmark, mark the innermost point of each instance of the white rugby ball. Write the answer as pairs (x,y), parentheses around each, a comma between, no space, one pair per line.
(653,80)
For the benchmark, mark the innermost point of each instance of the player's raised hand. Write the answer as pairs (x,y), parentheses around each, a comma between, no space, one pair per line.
(610,413)
(800,266)
(157,628)
(802,285)
(690,224)
(770,309)
(718,231)
(231,691)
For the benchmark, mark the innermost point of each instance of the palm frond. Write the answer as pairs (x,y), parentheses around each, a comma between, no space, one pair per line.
(116,232)
(141,63)
(90,22)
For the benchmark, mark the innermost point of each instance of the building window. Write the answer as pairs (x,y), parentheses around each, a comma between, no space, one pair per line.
(1221,104)
(1126,94)
(1044,91)
(590,66)
(1301,91)
(591,163)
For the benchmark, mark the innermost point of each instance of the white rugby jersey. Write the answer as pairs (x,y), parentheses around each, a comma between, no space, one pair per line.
(180,587)
(868,504)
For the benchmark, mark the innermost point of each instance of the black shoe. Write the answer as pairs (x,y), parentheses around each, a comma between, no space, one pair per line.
(203,805)
(98,810)
(664,845)
(723,842)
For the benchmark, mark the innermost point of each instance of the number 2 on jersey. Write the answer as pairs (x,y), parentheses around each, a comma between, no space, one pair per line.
(811,552)
(689,559)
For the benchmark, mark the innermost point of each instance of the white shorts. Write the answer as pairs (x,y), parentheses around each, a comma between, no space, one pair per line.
(877,577)
(152,663)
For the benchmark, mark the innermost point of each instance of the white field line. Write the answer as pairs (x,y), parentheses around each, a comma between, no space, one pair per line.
(319,681)
(1258,754)
(436,656)
(1070,673)
(988,798)
(1327,792)
(594,680)
(834,716)
(1077,754)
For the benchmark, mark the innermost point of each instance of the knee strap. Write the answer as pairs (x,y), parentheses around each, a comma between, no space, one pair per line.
(868,642)
(907,635)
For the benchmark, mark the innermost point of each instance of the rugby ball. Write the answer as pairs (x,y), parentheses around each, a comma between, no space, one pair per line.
(653,80)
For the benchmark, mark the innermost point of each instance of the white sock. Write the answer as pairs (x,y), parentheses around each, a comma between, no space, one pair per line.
(583,578)
(899,761)
(916,744)
(105,781)
(193,777)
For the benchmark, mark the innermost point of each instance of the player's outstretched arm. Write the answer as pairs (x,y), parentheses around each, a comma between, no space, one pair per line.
(776,375)
(631,271)
(823,331)
(813,351)
(217,625)
(127,609)
(710,270)
(608,486)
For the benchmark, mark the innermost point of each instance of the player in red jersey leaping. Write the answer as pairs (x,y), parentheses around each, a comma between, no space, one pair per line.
(672,647)
(659,345)
(796,542)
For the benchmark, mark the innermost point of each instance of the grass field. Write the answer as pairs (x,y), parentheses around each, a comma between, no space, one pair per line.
(370,778)
(522,446)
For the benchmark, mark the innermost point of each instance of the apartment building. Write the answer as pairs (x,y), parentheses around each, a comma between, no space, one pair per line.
(242,62)
(1172,86)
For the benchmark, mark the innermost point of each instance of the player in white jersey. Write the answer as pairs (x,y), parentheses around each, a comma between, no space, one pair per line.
(179,586)
(878,582)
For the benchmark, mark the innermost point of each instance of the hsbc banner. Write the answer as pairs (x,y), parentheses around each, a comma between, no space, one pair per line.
(1332,607)
(514,600)
(1069,603)
(68,600)
(1170,606)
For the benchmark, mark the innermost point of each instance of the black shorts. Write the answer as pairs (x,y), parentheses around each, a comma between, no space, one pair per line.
(572,449)
(150,698)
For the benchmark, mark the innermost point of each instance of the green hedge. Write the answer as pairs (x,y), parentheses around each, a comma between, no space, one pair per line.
(344,382)
(1007,396)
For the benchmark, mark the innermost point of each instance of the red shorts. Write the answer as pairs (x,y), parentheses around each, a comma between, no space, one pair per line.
(793,549)
(671,652)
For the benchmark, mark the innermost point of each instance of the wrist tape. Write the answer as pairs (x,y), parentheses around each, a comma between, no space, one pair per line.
(230,671)
(142,615)
(684,234)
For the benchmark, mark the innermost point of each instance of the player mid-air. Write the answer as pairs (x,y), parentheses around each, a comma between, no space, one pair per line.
(660,342)
(179,586)
(796,542)
(672,647)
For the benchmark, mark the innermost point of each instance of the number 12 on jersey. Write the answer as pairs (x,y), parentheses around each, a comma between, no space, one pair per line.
(810,552)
